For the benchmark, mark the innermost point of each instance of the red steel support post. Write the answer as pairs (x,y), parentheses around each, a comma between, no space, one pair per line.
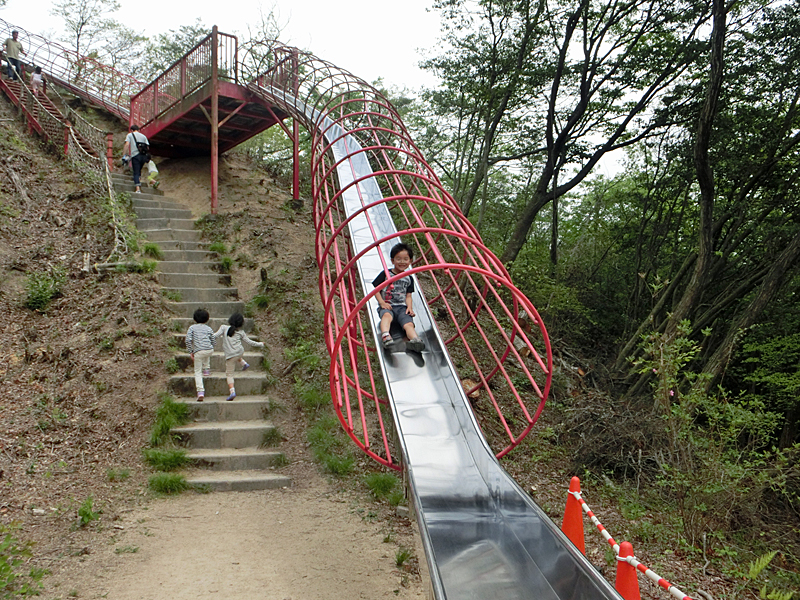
(214,121)
(295,142)
(110,150)
(66,141)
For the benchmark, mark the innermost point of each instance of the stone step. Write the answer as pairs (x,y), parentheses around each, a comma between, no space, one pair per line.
(195,280)
(145,214)
(186,309)
(218,361)
(216,408)
(184,267)
(169,235)
(145,194)
(236,459)
(210,295)
(137,202)
(180,337)
(247,383)
(125,182)
(213,322)
(239,481)
(163,223)
(187,252)
(224,434)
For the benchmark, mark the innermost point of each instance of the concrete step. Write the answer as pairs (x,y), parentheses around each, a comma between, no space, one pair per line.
(141,203)
(145,194)
(237,459)
(217,309)
(218,361)
(145,214)
(169,235)
(213,322)
(184,267)
(224,434)
(162,223)
(195,280)
(239,481)
(180,337)
(125,183)
(247,383)
(211,295)
(187,251)
(216,408)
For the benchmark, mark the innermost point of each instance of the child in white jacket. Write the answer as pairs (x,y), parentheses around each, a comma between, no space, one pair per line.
(232,338)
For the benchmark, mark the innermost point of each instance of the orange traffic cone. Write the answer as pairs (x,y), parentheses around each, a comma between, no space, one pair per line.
(572,525)
(627,582)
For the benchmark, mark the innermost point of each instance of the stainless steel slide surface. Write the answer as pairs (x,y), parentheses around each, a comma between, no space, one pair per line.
(484,537)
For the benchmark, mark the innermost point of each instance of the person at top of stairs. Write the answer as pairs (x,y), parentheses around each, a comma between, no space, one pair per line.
(13,49)
(232,338)
(133,142)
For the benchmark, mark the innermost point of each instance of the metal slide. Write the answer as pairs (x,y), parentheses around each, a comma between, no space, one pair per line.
(483,536)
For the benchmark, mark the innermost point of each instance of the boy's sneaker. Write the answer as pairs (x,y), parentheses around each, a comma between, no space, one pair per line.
(387,341)
(415,345)
(206,372)
(199,397)
(245,366)
(231,397)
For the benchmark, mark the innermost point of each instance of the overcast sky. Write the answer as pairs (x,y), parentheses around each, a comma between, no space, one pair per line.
(366,37)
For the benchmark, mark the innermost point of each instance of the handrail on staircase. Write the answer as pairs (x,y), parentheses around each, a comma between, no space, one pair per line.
(82,75)
(185,76)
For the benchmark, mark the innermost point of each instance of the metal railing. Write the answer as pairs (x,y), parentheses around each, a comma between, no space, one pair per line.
(186,75)
(495,332)
(84,76)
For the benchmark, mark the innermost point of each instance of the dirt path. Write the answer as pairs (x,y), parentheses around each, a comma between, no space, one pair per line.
(291,544)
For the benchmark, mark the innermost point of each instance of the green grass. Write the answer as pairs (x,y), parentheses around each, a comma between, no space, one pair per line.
(118,474)
(381,484)
(401,556)
(168,483)
(167,459)
(173,295)
(172,365)
(126,550)
(218,247)
(341,466)
(168,415)
(311,398)
(272,437)
(153,250)
(225,264)
(17,578)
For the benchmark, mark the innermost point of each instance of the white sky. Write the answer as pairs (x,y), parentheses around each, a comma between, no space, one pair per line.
(369,38)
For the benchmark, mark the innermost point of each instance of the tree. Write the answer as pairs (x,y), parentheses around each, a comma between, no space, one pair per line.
(166,48)
(86,22)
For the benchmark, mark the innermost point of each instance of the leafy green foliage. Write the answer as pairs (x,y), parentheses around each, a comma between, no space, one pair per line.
(15,580)
(153,250)
(44,287)
(87,513)
(172,365)
(381,484)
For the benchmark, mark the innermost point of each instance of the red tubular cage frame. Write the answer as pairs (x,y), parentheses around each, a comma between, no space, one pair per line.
(493,334)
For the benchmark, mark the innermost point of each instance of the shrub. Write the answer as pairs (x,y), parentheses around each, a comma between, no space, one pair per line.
(15,580)
(44,287)
(166,459)
(225,264)
(172,365)
(168,483)
(86,512)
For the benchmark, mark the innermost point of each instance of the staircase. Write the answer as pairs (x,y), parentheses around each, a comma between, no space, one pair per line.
(225,439)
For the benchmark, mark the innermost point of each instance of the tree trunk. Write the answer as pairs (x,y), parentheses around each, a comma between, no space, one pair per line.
(705,176)
(718,362)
